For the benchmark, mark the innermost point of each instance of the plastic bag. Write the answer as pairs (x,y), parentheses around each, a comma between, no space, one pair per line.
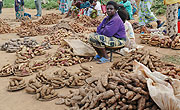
(165,94)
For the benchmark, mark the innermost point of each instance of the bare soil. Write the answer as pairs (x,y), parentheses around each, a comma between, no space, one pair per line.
(20,100)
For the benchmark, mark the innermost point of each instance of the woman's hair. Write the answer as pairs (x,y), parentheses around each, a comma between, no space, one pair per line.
(123,14)
(113,3)
(91,1)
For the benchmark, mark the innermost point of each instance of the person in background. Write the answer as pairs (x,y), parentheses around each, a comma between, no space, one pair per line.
(38,7)
(74,9)
(63,6)
(90,10)
(94,10)
(130,38)
(1,5)
(110,33)
(134,7)
(127,5)
(145,14)
(85,4)
(19,8)
(172,18)
(98,7)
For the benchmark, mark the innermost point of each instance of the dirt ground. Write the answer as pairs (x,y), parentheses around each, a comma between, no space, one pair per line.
(20,100)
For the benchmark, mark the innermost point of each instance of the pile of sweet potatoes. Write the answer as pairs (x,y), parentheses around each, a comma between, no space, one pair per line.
(114,91)
(125,64)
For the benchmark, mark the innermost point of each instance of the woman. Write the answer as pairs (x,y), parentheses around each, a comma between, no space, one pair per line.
(110,33)
(94,10)
(63,6)
(130,38)
(127,5)
(74,9)
(145,14)
(19,8)
(172,18)
(85,4)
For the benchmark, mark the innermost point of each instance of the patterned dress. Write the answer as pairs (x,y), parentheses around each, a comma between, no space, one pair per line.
(63,7)
(145,14)
(128,7)
(19,9)
(172,19)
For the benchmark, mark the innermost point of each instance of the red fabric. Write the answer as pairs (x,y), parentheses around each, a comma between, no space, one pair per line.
(178,26)
(103,7)
(81,12)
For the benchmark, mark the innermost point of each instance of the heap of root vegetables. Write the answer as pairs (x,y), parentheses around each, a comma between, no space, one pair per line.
(57,37)
(80,29)
(30,28)
(42,84)
(88,21)
(160,41)
(65,57)
(49,19)
(110,92)
(125,64)
(4,27)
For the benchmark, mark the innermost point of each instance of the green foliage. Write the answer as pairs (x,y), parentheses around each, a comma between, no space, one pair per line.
(158,7)
(51,5)
(173,59)
(29,4)
(8,3)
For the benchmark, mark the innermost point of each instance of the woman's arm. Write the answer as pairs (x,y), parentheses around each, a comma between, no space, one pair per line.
(99,28)
(111,28)
(131,31)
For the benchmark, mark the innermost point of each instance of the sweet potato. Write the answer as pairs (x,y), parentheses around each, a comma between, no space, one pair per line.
(85,68)
(104,80)
(30,90)
(108,94)
(136,97)
(130,95)
(141,103)
(91,80)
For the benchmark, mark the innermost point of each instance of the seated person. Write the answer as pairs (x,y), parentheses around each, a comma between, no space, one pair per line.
(130,39)
(85,4)
(74,9)
(110,33)
(94,10)
(127,5)
(98,7)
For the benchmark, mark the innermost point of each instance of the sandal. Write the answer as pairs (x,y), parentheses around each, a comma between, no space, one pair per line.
(103,60)
(160,25)
(97,57)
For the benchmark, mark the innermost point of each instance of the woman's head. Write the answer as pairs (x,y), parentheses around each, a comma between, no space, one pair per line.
(111,8)
(123,14)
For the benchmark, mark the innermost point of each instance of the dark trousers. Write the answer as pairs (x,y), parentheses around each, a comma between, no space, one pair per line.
(1,5)
(38,7)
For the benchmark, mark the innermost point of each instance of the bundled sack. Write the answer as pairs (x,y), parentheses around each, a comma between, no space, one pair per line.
(163,90)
